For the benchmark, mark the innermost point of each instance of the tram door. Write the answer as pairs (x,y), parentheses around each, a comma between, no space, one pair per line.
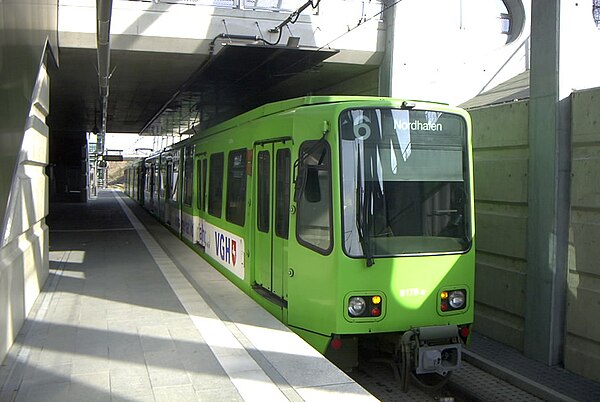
(271,211)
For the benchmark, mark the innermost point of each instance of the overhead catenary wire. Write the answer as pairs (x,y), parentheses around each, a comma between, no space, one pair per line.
(256,38)
(362,21)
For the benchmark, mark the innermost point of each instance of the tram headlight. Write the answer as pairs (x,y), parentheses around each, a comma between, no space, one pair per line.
(356,306)
(457,299)
(453,300)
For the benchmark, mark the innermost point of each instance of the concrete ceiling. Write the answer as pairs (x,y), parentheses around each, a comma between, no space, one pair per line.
(140,85)
(143,82)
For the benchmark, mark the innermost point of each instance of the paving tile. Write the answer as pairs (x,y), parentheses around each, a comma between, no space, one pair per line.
(183,393)
(129,351)
(89,365)
(166,369)
(147,396)
(39,374)
(61,338)
(90,387)
(8,396)
(53,392)
(177,320)
(50,357)
(130,387)
(203,363)
(192,349)
(90,347)
(207,381)
(127,368)
(216,395)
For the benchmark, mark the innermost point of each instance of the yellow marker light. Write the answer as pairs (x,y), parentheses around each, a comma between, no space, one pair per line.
(376,299)
(444,295)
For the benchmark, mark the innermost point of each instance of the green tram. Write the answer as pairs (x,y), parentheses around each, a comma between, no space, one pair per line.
(350,219)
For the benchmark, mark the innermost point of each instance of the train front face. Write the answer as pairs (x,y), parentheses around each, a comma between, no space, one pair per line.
(406,268)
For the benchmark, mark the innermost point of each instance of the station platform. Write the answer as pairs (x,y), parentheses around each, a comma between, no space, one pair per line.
(122,317)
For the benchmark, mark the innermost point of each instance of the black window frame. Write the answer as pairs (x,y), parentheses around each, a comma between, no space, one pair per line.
(283,173)
(237,179)
(201,168)
(175,177)
(215,184)
(263,196)
(156,187)
(312,146)
(169,173)
(188,176)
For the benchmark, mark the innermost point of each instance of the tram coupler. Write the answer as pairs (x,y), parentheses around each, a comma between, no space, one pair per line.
(435,349)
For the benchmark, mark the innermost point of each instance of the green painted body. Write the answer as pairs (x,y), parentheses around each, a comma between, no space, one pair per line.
(310,289)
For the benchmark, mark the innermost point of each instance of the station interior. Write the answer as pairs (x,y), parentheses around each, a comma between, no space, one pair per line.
(74,71)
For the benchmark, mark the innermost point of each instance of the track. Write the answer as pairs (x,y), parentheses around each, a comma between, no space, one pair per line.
(468,383)
(378,378)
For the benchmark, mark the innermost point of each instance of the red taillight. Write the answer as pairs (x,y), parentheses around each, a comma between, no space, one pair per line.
(375,312)
(336,343)
(464,332)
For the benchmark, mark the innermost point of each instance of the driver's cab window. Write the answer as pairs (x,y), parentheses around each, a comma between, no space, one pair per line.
(313,196)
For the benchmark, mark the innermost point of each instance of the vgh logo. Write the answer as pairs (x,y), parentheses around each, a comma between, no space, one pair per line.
(226,248)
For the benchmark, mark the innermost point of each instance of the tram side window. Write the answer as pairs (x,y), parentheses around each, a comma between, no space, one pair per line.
(201,167)
(313,195)
(169,179)
(174,181)
(163,182)
(156,182)
(215,186)
(282,196)
(148,181)
(264,184)
(188,175)
(236,187)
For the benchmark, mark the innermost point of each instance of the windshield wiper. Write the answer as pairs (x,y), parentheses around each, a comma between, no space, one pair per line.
(362,215)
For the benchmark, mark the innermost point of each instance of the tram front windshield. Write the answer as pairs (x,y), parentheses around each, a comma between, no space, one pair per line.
(405,182)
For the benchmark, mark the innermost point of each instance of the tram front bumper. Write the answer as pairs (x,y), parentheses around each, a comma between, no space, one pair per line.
(436,349)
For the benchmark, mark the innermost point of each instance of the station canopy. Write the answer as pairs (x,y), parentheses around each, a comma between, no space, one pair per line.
(239,78)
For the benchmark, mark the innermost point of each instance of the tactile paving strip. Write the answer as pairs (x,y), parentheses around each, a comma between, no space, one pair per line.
(555,378)
(477,385)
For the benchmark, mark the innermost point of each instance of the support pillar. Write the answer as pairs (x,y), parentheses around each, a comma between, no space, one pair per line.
(387,65)
(548,197)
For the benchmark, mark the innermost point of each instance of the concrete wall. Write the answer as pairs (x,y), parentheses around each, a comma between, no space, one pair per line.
(27,31)
(24,251)
(501,152)
(582,350)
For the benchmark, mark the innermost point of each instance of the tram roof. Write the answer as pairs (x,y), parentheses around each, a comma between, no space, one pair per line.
(289,104)
(283,106)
